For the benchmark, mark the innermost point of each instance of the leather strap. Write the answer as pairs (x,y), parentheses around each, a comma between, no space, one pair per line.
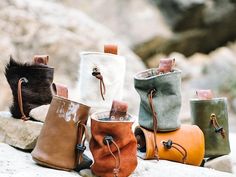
(111,48)
(166,65)
(216,125)
(80,147)
(118,109)
(20,101)
(170,144)
(60,90)
(96,73)
(204,94)
(41,59)
(154,116)
(107,141)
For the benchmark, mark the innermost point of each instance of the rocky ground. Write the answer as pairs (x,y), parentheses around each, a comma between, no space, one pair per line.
(21,164)
(23,136)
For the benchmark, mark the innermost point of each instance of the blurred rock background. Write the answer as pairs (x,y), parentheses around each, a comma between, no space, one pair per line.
(199,34)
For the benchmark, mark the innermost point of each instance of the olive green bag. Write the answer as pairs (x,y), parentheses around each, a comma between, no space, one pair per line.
(160,96)
(212,117)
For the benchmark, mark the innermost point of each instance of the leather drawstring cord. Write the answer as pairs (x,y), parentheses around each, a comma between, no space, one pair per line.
(96,73)
(218,128)
(81,143)
(107,141)
(154,115)
(170,144)
(19,94)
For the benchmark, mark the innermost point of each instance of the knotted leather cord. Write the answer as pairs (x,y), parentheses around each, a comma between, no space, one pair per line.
(19,97)
(218,128)
(96,73)
(81,143)
(154,116)
(168,146)
(117,166)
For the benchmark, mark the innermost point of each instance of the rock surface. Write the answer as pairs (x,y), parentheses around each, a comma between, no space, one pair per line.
(18,133)
(41,27)
(21,164)
(223,163)
(39,113)
(197,26)
(134,21)
(15,163)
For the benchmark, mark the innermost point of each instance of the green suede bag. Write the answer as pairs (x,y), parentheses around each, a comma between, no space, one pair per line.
(160,95)
(212,118)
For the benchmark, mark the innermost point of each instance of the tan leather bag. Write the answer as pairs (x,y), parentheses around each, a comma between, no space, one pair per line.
(61,142)
(113,146)
(184,145)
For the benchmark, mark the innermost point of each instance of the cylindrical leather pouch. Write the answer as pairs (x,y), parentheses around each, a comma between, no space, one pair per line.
(185,145)
(113,145)
(160,94)
(59,144)
(212,117)
(101,78)
(30,85)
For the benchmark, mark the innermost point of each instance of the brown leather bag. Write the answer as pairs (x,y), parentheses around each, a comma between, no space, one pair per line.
(113,145)
(184,145)
(61,141)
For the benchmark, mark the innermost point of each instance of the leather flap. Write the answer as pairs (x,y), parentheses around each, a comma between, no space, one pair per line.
(60,90)
(204,94)
(41,59)
(111,48)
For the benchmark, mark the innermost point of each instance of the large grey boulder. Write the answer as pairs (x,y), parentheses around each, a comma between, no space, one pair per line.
(42,27)
(18,133)
(197,26)
(134,21)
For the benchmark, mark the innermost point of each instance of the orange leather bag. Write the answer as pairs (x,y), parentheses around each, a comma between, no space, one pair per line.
(184,145)
(113,145)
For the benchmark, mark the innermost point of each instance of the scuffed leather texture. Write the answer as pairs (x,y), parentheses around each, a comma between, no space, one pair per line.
(56,145)
(36,92)
(167,100)
(122,134)
(201,111)
(189,136)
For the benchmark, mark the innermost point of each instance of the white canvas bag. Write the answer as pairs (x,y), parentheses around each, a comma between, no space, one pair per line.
(112,69)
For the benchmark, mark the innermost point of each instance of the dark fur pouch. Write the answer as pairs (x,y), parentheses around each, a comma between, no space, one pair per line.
(36,92)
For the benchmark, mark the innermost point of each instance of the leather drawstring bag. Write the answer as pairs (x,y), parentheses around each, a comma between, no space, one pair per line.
(113,145)
(160,94)
(185,145)
(101,77)
(60,144)
(30,85)
(211,115)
